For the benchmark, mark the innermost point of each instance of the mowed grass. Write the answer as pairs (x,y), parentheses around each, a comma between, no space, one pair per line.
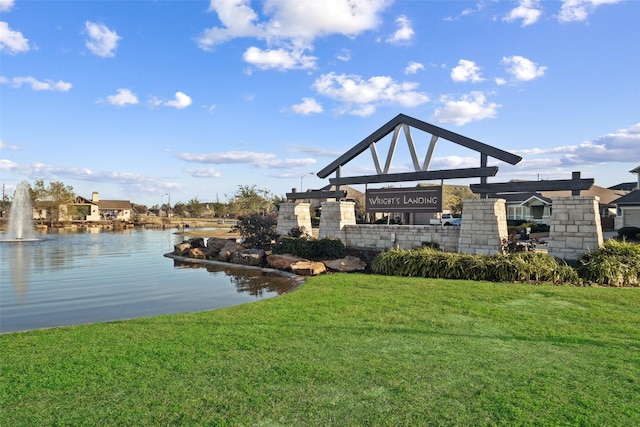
(343,350)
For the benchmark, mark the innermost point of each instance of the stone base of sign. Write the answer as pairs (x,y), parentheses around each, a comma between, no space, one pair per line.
(484,225)
(376,236)
(575,227)
(335,215)
(292,215)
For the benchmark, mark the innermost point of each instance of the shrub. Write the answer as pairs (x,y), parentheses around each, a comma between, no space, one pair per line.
(311,248)
(615,264)
(257,230)
(297,232)
(518,267)
(629,232)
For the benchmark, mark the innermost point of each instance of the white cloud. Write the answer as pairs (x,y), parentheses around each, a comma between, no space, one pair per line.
(280,59)
(313,150)
(261,160)
(466,71)
(102,41)
(473,106)
(12,41)
(203,172)
(6,5)
(404,33)
(344,55)
(307,106)
(367,94)
(181,101)
(579,10)
(284,25)
(5,146)
(528,11)
(523,69)
(123,97)
(621,146)
(413,67)
(38,85)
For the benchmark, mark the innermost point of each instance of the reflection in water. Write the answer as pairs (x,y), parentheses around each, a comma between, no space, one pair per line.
(251,281)
(19,268)
(75,278)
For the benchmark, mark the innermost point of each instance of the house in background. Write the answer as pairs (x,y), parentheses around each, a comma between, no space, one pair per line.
(530,207)
(629,206)
(83,209)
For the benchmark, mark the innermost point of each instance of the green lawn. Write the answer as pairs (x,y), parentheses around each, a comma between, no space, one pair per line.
(343,350)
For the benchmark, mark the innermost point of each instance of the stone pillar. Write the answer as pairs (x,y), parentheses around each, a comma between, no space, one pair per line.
(334,216)
(575,227)
(293,215)
(484,225)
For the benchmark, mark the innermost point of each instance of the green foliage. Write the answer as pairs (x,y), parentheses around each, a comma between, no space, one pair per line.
(257,230)
(629,232)
(56,194)
(297,232)
(515,225)
(249,200)
(195,208)
(517,267)
(310,248)
(615,264)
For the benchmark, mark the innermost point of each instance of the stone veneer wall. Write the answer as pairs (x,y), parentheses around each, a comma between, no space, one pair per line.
(405,236)
(484,225)
(335,215)
(575,227)
(292,215)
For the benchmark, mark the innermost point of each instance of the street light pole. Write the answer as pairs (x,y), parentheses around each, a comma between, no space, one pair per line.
(166,194)
(301,178)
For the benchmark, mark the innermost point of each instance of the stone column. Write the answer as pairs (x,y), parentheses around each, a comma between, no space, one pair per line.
(293,215)
(484,225)
(575,227)
(334,216)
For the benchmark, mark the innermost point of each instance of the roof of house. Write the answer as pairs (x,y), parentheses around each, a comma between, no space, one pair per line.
(625,186)
(522,198)
(114,204)
(606,195)
(632,198)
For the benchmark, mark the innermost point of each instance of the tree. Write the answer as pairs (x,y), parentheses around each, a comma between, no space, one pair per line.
(195,208)
(179,209)
(454,195)
(249,200)
(54,196)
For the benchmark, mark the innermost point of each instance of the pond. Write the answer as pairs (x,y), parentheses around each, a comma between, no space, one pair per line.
(72,278)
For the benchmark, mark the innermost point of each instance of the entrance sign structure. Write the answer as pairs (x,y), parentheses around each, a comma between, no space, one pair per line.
(484,224)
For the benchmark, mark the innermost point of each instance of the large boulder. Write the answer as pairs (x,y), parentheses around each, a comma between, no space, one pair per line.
(228,250)
(215,244)
(199,253)
(181,249)
(346,264)
(308,268)
(283,261)
(249,257)
(196,242)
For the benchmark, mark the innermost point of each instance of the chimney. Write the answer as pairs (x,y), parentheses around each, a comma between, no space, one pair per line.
(94,197)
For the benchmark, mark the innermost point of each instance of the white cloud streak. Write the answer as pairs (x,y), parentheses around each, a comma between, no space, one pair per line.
(307,106)
(466,71)
(123,97)
(12,41)
(523,69)
(37,85)
(404,33)
(361,97)
(102,41)
(579,10)
(529,11)
(468,108)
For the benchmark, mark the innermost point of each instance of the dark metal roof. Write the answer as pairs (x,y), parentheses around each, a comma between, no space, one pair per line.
(426,127)
(632,198)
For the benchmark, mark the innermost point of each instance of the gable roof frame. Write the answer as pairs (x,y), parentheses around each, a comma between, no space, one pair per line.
(404,122)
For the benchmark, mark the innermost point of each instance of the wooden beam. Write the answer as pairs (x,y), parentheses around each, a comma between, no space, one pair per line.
(417,176)
(533,186)
(317,194)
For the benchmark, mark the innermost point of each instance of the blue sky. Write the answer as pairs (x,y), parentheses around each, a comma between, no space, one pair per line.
(138,99)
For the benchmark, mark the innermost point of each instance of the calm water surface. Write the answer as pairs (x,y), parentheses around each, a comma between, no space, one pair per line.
(86,277)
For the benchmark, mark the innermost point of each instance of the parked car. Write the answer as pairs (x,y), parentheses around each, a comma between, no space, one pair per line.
(447,219)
